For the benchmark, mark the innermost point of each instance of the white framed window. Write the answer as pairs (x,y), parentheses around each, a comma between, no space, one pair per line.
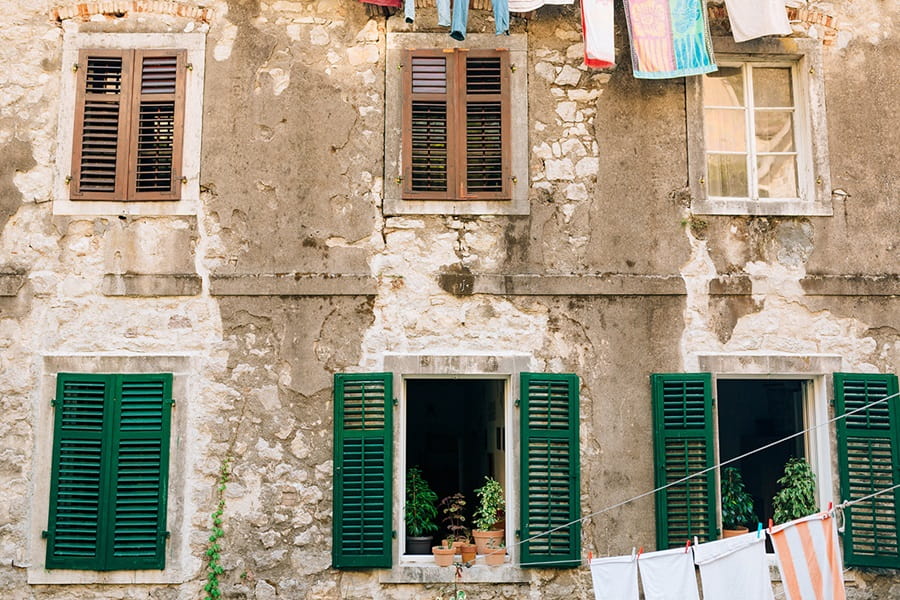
(756,133)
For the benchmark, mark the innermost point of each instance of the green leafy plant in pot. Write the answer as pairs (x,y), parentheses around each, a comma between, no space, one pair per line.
(490,511)
(421,513)
(797,496)
(737,503)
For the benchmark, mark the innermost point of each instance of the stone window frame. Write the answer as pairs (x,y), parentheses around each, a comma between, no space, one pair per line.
(506,367)
(394,204)
(189,201)
(177,550)
(814,179)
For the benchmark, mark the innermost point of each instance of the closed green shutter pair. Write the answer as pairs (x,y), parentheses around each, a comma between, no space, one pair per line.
(363,470)
(868,444)
(110,472)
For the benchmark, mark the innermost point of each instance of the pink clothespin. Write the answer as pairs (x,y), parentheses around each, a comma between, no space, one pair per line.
(771,524)
(640,551)
(687,546)
(590,556)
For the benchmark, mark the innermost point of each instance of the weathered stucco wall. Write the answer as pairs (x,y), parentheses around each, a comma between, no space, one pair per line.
(291,188)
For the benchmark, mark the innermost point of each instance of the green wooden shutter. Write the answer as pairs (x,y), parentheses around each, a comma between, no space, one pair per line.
(362,470)
(76,496)
(683,444)
(869,461)
(550,470)
(139,473)
(110,470)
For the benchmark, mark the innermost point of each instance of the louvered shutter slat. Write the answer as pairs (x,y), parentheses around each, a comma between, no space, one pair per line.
(869,461)
(362,473)
(550,469)
(683,445)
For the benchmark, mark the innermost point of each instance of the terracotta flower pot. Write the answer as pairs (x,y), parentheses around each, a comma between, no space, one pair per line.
(495,557)
(727,533)
(443,556)
(483,540)
(468,552)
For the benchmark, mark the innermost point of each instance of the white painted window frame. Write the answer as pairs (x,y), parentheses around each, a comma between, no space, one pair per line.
(195,46)
(810,131)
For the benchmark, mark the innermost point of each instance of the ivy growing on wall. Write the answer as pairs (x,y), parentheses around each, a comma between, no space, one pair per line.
(214,550)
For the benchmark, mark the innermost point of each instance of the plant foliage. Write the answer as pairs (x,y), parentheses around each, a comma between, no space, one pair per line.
(490,504)
(454,509)
(737,503)
(797,496)
(214,552)
(421,501)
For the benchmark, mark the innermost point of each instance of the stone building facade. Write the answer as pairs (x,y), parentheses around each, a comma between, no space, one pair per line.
(291,254)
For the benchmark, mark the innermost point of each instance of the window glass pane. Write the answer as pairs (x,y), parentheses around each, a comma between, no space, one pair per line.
(727,175)
(725,130)
(777,176)
(774,131)
(772,87)
(725,87)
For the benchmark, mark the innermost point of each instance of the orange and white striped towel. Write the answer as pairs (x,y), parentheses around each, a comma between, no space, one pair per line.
(809,558)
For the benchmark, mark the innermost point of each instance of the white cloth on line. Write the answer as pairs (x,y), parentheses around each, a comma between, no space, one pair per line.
(755,18)
(523,6)
(734,568)
(668,575)
(615,578)
(599,33)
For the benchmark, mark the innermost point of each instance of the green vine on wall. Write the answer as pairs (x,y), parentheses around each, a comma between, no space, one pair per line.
(214,551)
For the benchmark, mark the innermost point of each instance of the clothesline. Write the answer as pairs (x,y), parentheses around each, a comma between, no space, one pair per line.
(717,466)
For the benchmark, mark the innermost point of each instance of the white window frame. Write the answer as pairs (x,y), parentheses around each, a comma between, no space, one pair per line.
(810,131)
(188,204)
(179,559)
(394,204)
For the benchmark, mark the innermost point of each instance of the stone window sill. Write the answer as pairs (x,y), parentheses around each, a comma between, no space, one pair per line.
(423,570)
(772,208)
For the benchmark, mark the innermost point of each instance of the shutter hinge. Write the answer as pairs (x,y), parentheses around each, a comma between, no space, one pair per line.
(518,534)
(167,534)
(189,66)
(74,67)
(702,180)
(513,68)
(54,403)
(514,179)
(394,534)
(517,402)
(170,401)
(184,180)
(45,534)
(399,180)
(396,402)
(68,179)
(399,66)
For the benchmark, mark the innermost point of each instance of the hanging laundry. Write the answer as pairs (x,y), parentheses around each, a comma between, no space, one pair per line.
(388,3)
(734,568)
(669,38)
(809,558)
(755,19)
(615,578)
(668,575)
(599,33)
(524,6)
(409,10)
(461,18)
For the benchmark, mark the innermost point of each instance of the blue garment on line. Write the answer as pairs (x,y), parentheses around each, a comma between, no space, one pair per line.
(461,18)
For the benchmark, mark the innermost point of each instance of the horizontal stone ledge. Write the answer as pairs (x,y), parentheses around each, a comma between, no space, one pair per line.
(731,285)
(292,284)
(423,572)
(609,284)
(852,285)
(11,283)
(140,285)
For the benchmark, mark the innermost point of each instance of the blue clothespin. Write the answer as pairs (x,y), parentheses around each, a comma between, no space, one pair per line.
(758,530)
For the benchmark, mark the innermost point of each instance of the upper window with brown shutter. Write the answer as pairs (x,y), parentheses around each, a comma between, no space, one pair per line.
(129,125)
(456,135)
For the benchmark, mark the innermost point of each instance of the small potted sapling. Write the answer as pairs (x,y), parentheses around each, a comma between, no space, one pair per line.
(453,507)
(737,504)
(797,496)
(421,513)
(491,506)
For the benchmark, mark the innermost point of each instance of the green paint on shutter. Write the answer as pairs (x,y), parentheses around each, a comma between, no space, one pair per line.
(110,471)
(550,470)
(683,444)
(869,461)
(362,470)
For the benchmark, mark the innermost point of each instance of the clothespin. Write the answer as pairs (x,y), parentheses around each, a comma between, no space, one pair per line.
(590,556)
(830,510)
(771,524)
(758,529)
(633,553)
(640,551)
(696,541)
(687,546)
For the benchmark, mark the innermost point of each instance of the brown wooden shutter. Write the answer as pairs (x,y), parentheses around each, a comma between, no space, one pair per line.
(157,125)
(456,125)
(100,140)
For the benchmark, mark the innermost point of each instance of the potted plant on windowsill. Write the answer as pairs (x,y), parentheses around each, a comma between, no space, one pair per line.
(737,504)
(496,552)
(421,512)
(797,496)
(453,508)
(490,510)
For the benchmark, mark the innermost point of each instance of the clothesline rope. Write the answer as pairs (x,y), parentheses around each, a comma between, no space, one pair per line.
(708,469)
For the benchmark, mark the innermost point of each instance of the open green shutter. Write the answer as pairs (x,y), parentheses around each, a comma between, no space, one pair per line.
(362,470)
(139,476)
(683,444)
(550,486)
(76,489)
(869,460)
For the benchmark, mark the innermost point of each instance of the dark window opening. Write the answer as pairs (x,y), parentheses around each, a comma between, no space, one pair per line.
(454,433)
(753,413)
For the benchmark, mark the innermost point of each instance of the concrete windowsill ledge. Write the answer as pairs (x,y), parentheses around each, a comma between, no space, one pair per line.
(415,572)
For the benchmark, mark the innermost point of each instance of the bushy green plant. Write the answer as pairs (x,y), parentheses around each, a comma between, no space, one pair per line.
(454,509)
(737,504)
(421,504)
(490,504)
(797,496)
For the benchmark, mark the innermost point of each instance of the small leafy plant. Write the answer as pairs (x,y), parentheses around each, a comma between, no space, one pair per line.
(454,509)
(421,501)
(490,504)
(214,552)
(737,504)
(797,496)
